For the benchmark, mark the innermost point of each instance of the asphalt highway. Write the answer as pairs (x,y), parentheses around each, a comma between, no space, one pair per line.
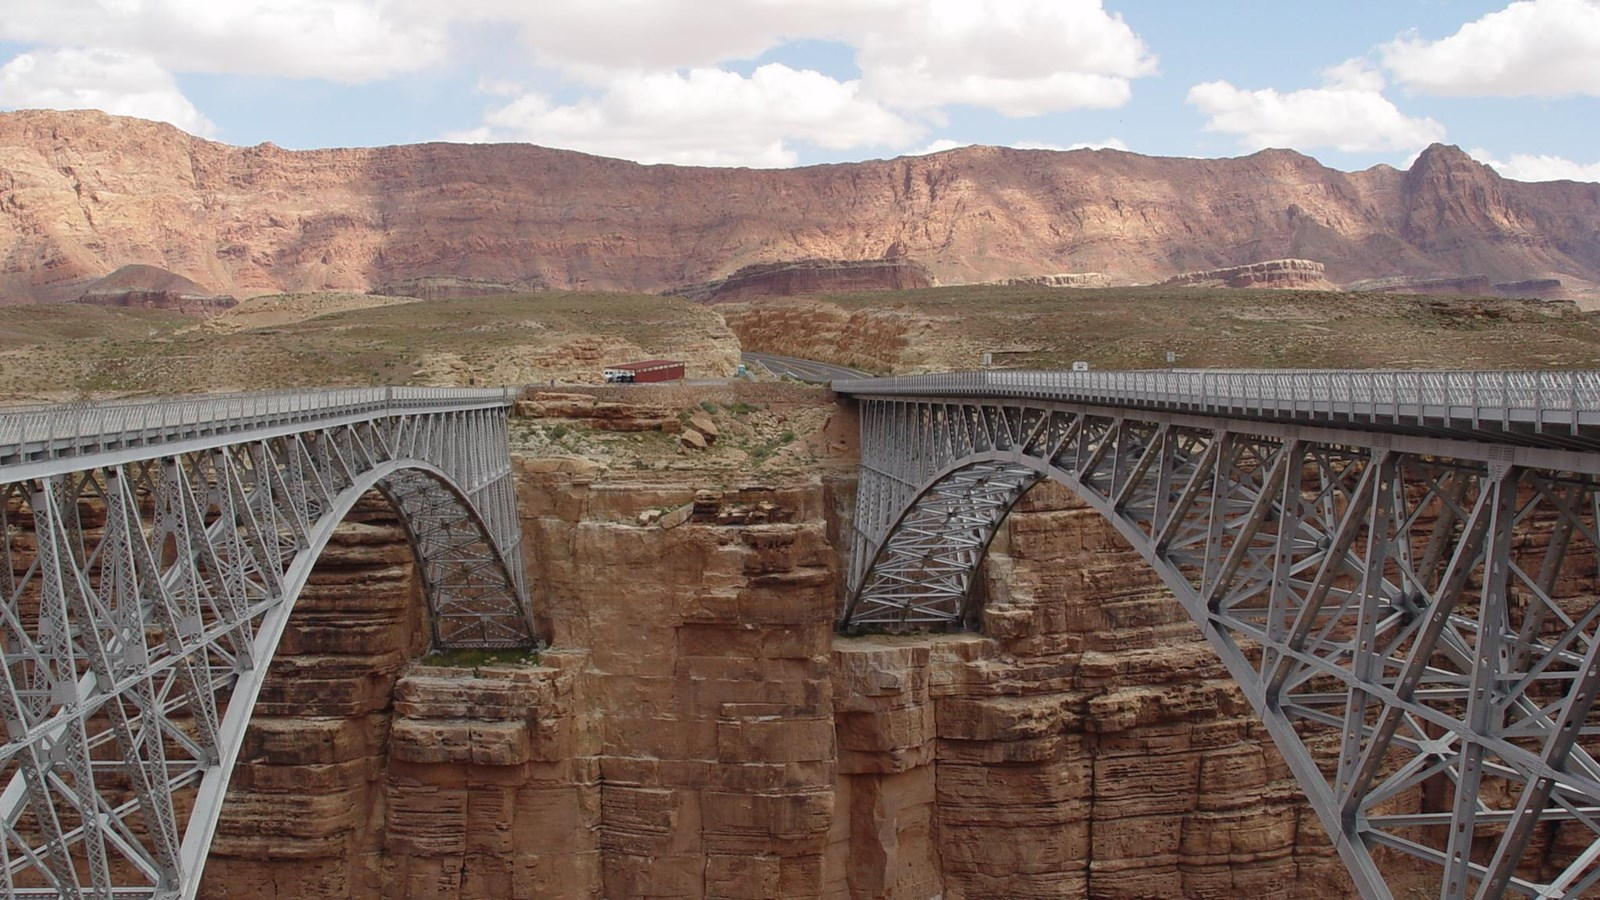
(801,369)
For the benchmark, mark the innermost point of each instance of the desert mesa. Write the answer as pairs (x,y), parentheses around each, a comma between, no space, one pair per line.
(84,194)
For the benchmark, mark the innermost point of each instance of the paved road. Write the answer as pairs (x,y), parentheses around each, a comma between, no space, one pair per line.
(802,369)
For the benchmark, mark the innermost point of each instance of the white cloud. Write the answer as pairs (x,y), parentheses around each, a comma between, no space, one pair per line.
(1018,57)
(341,40)
(651,76)
(940,146)
(1525,167)
(496,87)
(1534,48)
(1107,144)
(705,117)
(596,37)
(1348,113)
(106,80)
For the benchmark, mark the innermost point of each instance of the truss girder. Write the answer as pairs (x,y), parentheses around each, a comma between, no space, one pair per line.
(144,598)
(1419,630)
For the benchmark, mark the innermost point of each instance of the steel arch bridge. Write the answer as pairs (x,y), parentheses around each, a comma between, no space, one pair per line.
(1399,569)
(153,554)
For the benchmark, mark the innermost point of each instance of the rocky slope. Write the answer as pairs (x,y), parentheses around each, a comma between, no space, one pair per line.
(82,194)
(810,276)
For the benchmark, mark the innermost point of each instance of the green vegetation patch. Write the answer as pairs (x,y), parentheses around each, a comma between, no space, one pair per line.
(475,659)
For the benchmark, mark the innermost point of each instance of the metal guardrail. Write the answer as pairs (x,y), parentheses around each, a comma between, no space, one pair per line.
(1565,398)
(33,430)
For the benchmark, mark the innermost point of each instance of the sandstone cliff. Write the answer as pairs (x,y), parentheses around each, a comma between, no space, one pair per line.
(1303,274)
(82,193)
(148,287)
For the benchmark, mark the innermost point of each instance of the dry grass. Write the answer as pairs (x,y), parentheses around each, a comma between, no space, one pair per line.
(1128,328)
(70,351)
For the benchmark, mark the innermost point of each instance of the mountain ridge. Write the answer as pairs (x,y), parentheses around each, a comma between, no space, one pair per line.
(83,194)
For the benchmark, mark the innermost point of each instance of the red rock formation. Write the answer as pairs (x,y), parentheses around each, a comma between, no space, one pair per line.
(811,276)
(148,287)
(83,193)
(364,775)
(1277,273)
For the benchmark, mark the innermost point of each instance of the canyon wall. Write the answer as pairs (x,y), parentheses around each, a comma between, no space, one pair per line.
(700,732)
(366,774)
(82,194)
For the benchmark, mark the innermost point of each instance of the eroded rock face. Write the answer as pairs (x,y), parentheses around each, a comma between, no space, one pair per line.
(1274,273)
(708,680)
(150,287)
(1089,744)
(811,276)
(878,339)
(364,775)
(82,193)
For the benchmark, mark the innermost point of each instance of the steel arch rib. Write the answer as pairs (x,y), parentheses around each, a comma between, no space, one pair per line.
(1356,855)
(881,548)
(269,617)
(135,647)
(235,719)
(1243,534)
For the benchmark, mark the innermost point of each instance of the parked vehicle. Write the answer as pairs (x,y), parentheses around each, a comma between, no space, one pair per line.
(651,370)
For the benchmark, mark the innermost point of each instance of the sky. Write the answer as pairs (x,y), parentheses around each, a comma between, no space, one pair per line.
(778,83)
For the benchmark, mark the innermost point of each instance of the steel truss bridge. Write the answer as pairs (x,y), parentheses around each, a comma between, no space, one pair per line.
(153,554)
(1399,569)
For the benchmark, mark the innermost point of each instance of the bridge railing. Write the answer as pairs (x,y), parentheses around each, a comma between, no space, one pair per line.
(1568,397)
(95,424)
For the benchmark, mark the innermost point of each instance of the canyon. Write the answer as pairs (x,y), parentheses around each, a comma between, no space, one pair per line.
(83,194)
(697,730)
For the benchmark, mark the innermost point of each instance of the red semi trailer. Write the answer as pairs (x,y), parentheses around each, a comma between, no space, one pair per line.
(644,372)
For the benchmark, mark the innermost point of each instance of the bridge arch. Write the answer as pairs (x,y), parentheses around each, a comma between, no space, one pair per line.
(420,494)
(162,564)
(1397,609)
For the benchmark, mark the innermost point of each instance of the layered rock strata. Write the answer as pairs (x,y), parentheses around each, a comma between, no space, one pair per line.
(874,340)
(365,775)
(1089,744)
(82,193)
(708,680)
(1275,273)
(149,287)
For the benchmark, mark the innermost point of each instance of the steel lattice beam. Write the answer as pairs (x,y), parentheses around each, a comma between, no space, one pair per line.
(1413,612)
(135,644)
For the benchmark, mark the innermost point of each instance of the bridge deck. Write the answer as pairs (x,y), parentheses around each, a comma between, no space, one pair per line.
(36,441)
(1556,409)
